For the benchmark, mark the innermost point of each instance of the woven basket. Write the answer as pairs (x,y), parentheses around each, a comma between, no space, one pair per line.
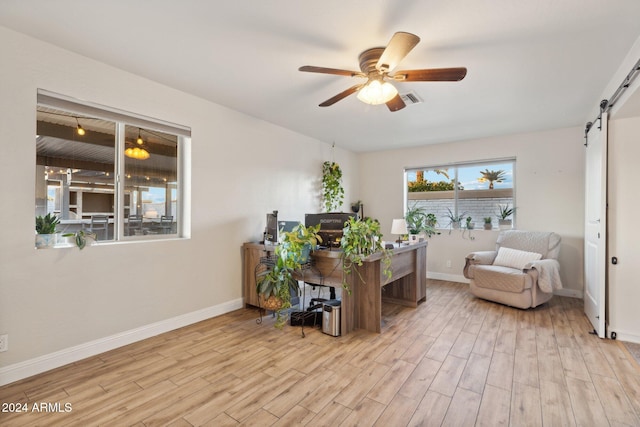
(273,303)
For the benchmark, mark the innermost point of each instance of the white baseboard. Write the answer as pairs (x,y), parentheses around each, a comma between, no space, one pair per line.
(622,335)
(571,293)
(21,370)
(449,277)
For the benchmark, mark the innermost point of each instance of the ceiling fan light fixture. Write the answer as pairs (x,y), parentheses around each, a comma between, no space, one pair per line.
(377,92)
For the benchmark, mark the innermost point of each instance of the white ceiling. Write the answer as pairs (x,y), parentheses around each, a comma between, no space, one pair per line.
(532,64)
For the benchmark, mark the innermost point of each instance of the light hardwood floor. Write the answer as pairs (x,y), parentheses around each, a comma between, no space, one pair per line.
(453,361)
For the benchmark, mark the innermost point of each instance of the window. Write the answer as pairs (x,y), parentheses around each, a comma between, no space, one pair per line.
(470,190)
(94,162)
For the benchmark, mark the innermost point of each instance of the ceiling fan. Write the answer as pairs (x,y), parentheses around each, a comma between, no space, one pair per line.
(377,65)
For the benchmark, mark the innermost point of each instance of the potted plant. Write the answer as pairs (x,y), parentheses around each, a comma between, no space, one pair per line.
(469,224)
(504,212)
(361,238)
(332,191)
(455,221)
(276,284)
(46,230)
(80,237)
(488,225)
(419,222)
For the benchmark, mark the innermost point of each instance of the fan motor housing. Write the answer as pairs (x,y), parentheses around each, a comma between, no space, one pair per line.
(369,58)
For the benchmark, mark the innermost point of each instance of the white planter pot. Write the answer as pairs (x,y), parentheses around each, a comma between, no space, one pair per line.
(44,241)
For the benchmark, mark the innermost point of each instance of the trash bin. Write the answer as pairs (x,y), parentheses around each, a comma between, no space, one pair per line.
(331,318)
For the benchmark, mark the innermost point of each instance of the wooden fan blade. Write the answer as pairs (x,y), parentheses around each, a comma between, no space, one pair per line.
(431,75)
(341,95)
(396,104)
(400,45)
(323,70)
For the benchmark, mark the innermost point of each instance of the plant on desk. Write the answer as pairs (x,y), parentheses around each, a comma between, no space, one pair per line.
(361,238)
(276,284)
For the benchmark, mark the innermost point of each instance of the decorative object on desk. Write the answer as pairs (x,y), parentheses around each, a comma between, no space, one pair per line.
(420,222)
(488,225)
(332,191)
(399,227)
(504,212)
(46,230)
(80,237)
(276,284)
(361,238)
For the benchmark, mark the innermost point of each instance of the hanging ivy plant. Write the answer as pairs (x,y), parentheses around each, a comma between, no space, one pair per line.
(332,191)
(361,238)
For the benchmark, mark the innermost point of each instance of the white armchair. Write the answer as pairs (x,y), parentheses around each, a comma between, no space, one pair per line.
(522,272)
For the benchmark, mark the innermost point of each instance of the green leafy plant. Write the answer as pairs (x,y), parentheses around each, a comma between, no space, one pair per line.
(454,220)
(470,224)
(332,191)
(487,220)
(505,211)
(418,221)
(46,224)
(277,281)
(361,238)
(80,237)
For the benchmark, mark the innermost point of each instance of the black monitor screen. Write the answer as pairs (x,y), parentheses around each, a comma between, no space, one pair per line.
(331,226)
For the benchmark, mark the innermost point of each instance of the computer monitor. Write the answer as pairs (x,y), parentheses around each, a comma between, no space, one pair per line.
(331,226)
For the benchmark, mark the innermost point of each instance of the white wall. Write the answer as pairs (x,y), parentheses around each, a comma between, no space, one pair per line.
(549,194)
(59,303)
(623,231)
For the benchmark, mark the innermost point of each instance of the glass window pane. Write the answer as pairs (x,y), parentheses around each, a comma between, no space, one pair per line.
(151,170)
(467,192)
(75,171)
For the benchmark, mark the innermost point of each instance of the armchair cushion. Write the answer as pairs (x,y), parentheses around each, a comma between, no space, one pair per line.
(515,258)
(501,278)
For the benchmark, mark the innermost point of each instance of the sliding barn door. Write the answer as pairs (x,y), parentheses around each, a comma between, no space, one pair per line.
(595,256)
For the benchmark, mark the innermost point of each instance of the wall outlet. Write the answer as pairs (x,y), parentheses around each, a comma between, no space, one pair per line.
(448,263)
(4,342)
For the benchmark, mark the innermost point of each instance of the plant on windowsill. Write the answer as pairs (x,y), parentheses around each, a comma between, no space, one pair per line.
(80,237)
(455,221)
(504,213)
(276,285)
(488,223)
(46,230)
(332,191)
(361,238)
(418,221)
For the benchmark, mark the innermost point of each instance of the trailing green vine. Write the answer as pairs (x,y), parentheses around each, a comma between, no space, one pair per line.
(361,238)
(332,191)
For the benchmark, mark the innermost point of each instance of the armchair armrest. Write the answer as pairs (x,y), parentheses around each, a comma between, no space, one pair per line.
(475,258)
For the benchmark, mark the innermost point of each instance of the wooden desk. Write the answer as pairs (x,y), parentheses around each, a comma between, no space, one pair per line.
(362,309)
(407,286)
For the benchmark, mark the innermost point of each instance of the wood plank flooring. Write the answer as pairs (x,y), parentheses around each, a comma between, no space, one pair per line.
(454,361)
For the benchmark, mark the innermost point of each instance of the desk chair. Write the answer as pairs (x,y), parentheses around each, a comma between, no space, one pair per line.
(166,224)
(100,225)
(134,224)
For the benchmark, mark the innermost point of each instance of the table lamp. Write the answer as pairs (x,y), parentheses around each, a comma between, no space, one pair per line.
(399,227)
